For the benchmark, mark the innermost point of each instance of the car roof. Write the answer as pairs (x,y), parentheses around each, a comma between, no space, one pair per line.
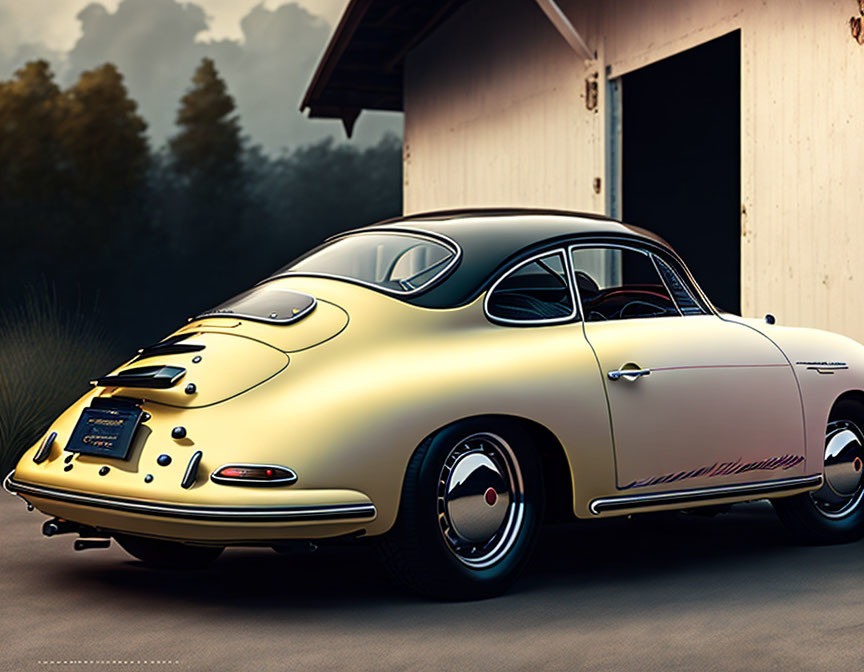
(543,221)
(492,238)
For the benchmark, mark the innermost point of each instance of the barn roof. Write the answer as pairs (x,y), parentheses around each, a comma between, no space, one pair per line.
(362,66)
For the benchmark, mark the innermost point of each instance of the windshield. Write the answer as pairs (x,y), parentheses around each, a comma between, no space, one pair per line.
(401,263)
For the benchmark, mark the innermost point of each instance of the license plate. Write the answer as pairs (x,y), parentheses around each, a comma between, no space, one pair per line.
(106,432)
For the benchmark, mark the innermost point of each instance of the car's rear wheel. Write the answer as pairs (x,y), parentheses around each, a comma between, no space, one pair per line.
(471,509)
(835,512)
(168,554)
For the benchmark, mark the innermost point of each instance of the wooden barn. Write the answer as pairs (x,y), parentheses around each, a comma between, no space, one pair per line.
(733,128)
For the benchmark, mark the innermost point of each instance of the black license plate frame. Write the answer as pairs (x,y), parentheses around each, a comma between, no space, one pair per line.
(105,432)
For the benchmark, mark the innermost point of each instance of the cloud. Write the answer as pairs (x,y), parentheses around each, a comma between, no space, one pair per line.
(271,71)
(14,50)
(157,45)
(52,22)
(152,42)
(224,16)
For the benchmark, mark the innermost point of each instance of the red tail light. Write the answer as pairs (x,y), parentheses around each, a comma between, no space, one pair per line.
(253,474)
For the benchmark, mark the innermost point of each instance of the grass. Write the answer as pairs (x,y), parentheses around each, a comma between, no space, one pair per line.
(48,354)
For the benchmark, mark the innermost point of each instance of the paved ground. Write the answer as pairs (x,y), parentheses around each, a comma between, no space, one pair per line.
(689,593)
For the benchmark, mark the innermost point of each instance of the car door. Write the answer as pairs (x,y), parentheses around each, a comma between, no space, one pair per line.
(695,401)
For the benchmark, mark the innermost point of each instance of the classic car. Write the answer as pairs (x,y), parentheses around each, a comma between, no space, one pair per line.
(440,384)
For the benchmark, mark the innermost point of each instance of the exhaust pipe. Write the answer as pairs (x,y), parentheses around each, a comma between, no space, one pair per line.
(56,526)
(89,537)
(86,543)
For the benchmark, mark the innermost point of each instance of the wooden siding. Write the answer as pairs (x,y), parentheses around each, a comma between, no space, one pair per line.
(495,115)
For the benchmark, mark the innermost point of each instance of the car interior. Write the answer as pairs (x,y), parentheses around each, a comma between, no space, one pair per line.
(613,284)
(536,291)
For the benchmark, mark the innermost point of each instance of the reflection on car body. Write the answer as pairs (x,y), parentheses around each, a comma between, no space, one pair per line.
(443,383)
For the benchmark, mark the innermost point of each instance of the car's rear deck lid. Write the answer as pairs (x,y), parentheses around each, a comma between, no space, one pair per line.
(222,366)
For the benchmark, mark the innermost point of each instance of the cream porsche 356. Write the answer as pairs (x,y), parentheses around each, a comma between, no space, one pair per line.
(440,384)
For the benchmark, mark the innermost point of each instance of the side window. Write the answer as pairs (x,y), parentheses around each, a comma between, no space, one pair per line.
(680,292)
(619,284)
(536,291)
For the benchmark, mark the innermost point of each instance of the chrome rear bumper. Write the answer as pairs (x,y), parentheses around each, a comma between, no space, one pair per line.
(225,514)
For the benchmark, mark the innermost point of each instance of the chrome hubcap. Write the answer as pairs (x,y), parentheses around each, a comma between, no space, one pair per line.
(480,500)
(844,470)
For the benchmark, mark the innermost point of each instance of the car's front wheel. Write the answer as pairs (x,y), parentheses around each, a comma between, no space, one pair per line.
(168,554)
(834,513)
(470,513)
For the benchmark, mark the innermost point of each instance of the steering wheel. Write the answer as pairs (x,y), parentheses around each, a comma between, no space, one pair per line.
(635,301)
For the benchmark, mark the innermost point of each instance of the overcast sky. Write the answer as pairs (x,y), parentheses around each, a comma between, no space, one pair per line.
(53,23)
(265,49)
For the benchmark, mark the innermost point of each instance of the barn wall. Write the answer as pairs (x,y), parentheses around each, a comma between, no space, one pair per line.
(803,161)
(495,115)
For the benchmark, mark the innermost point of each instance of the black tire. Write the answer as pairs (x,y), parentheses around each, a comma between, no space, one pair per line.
(805,516)
(419,553)
(168,554)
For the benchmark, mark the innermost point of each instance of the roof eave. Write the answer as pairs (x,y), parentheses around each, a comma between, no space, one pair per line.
(362,66)
(342,36)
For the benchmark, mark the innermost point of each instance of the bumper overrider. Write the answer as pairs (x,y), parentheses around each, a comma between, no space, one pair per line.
(227,523)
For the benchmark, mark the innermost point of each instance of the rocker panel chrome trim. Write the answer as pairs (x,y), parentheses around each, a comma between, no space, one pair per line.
(603,504)
(331,512)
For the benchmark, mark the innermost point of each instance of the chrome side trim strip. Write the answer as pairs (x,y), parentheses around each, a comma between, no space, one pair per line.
(602,504)
(323,513)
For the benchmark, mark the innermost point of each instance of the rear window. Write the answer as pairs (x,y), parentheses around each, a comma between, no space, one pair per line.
(265,304)
(400,263)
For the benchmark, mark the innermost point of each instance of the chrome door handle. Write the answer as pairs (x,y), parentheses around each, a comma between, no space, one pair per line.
(630,374)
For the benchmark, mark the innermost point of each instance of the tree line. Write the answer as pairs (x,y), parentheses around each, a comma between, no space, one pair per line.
(145,237)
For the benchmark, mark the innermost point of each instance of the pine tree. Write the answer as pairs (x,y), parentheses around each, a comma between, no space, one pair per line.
(29,112)
(103,139)
(207,161)
(207,150)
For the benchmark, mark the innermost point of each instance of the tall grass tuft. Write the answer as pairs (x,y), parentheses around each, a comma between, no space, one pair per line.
(47,356)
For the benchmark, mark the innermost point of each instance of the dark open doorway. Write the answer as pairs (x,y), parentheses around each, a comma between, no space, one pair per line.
(681,160)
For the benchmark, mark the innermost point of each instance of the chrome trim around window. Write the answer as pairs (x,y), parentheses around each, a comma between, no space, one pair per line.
(227,514)
(653,259)
(568,278)
(657,260)
(617,246)
(686,281)
(215,314)
(603,504)
(223,480)
(437,237)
